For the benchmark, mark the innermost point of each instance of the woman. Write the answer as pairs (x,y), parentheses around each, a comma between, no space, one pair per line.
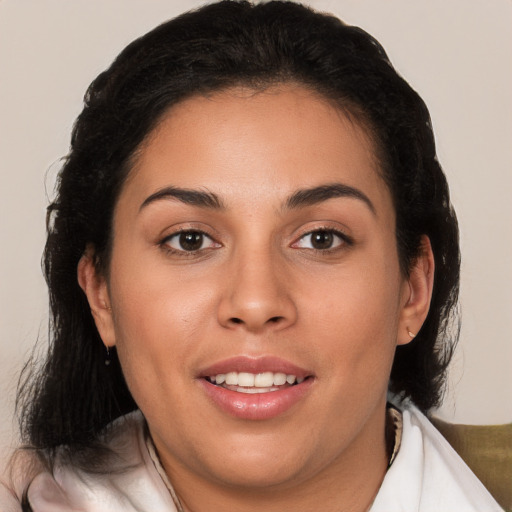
(252,243)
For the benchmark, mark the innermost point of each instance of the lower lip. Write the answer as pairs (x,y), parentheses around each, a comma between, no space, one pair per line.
(260,406)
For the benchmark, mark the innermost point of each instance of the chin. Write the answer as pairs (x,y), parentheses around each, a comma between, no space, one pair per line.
(249,475)
(260,463)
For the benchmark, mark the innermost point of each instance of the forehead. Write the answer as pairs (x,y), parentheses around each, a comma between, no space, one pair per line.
(237,141)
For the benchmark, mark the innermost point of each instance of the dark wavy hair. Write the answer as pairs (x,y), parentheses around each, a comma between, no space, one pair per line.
(72,395)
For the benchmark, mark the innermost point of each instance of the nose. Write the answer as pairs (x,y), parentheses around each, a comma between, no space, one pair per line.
(256,295)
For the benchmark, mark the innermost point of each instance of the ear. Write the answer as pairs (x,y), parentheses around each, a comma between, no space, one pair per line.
(416,294)
(95,288)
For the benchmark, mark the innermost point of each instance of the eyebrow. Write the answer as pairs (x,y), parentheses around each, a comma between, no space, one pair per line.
(315,195)
(299,199)
(199,198)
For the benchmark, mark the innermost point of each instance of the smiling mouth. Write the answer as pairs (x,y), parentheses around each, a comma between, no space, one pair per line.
(253,383)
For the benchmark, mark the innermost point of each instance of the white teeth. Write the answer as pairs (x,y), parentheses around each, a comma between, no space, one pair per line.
(265,380)
(232,378)
(246,379)
(279,379)
(253,391)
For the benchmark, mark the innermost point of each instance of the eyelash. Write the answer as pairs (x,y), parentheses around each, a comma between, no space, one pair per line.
(345,241)
(164,243)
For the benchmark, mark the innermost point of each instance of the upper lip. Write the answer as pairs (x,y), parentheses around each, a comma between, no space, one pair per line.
(254,365)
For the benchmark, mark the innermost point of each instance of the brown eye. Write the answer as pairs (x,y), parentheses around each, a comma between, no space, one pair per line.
(322,240)
(189,241)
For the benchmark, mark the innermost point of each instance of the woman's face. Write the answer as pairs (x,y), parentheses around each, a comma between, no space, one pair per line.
(255,288)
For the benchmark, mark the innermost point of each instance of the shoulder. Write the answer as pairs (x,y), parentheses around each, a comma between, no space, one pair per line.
(122,477)
(428,475)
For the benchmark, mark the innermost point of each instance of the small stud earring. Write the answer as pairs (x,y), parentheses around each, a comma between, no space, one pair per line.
(411,334)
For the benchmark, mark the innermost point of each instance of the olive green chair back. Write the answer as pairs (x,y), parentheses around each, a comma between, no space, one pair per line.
(487,450)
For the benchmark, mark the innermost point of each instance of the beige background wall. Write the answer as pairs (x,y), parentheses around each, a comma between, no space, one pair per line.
(457,54)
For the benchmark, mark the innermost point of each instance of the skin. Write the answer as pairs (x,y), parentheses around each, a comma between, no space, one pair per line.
(257,287)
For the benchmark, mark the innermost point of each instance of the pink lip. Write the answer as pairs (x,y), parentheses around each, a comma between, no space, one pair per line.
(260,406)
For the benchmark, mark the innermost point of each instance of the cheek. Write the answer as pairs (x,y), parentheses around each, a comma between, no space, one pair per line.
(355,318)
(154,320)
(158,322)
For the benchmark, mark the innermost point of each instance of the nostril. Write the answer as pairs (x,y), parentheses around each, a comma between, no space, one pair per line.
(273,320)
